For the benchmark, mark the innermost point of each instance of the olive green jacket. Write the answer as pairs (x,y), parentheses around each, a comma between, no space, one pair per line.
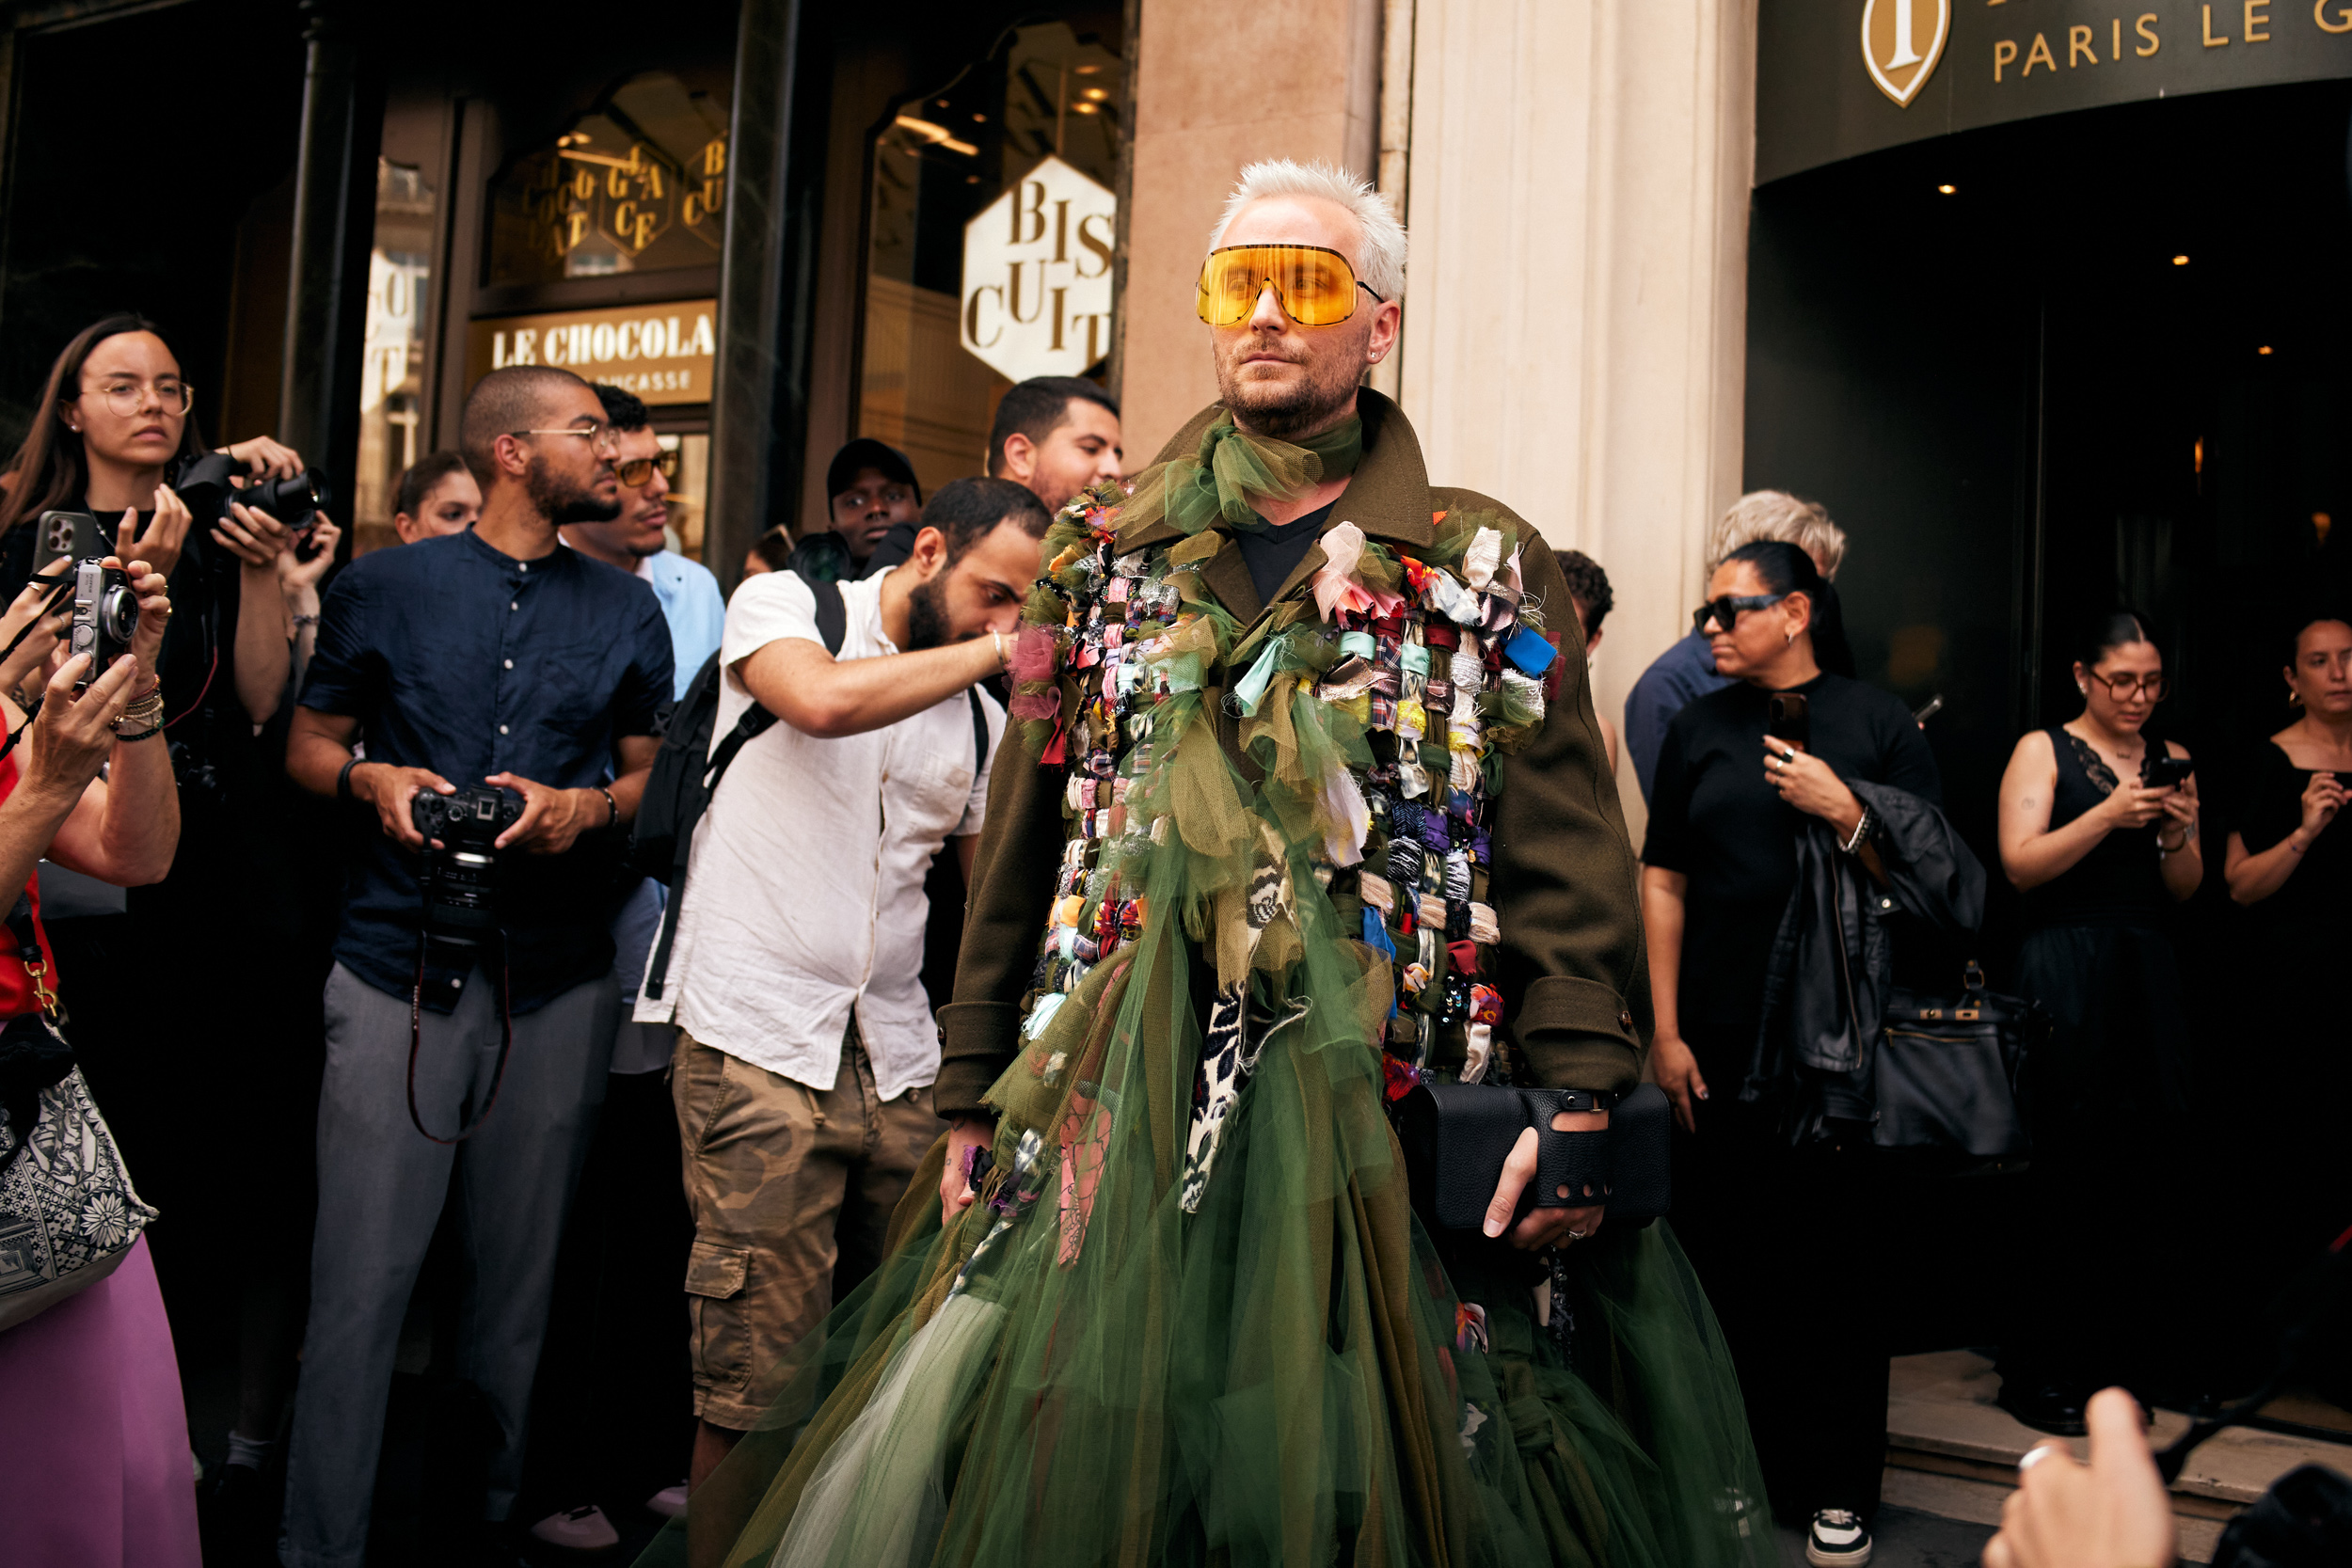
(1571,967)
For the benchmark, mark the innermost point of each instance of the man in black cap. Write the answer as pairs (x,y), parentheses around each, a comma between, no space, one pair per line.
(871,487)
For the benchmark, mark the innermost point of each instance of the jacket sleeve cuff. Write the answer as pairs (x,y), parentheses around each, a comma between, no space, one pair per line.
(976,1042)
(1578,1034)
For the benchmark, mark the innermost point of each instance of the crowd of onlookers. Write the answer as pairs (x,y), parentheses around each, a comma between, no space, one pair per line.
(331,1095)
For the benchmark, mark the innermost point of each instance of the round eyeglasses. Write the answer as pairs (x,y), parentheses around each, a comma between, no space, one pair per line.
(603,440)
(130,397)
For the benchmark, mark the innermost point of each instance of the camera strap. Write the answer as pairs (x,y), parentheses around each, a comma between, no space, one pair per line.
(416,1039)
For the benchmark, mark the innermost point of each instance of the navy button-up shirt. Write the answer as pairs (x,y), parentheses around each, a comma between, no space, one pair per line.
(455,658)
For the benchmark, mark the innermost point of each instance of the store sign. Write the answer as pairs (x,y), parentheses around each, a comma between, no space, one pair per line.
(1929,68)
(1036,274)
(663,353)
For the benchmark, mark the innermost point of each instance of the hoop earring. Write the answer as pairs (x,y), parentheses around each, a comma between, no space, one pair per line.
(1788,639)
(2083,686)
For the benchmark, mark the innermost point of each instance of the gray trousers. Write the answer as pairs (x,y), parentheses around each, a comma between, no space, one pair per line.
(381,1189)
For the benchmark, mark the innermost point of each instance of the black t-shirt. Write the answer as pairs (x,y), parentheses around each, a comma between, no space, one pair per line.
(2306,914)
(1713,818)
(1273,553)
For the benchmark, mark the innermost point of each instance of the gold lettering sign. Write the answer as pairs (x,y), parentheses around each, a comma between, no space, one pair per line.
(661,353)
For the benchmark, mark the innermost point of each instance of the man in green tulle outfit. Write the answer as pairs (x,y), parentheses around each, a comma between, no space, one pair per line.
(1309,806)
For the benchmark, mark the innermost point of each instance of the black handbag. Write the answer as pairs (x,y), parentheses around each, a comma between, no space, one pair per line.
(1457,1137)
(1945,1071)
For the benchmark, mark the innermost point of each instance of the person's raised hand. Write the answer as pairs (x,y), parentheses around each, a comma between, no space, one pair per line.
(166,532)
(73,734)
(2322,799)
(955,1192)
(1677,1069)
(553,819)
(2132,804)
(2112,1512)
(265,458)
(1808,783)
(390,790)
(252,535)
(33,652)
(1543,1227)
(296,574)
(147,639)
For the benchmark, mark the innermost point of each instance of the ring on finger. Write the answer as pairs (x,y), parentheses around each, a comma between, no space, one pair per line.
(2033,1457)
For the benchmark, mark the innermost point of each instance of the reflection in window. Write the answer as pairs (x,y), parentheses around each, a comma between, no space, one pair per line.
(688,492)
(392,370)
(1049,91)
(636,184)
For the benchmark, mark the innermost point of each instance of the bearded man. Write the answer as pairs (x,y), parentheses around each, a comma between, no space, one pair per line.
(494,660)
(1310,806)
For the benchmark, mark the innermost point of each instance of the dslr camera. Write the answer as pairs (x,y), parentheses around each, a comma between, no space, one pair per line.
(106,613)
(205,486)
(460,879)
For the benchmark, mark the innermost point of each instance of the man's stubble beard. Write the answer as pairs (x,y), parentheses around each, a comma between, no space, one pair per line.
(560,501)
(1329,392)
(927,613)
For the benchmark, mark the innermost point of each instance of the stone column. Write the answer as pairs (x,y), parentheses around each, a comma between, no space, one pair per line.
(1297,80)
(753,412)
(334,229)
(1575,327)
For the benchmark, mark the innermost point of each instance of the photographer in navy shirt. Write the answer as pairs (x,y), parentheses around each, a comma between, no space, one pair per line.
(488,659)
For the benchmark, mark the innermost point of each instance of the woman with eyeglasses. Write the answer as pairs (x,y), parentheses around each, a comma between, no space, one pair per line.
(2098,830)
(1783,1239)
(205,1036)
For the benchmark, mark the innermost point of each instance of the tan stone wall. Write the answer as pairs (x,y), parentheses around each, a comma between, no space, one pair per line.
(1216,88)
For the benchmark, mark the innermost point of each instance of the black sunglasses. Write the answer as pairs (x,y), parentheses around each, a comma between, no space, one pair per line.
(1724,612)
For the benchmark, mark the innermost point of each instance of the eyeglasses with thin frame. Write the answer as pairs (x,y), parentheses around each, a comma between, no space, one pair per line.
(1726,610)
(603,440)
(2122,687)
(640,471)
(128,397)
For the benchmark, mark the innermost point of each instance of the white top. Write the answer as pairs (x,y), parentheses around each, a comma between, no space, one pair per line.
(803,892)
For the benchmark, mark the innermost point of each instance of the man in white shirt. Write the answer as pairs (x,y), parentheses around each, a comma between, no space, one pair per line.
(806,1046)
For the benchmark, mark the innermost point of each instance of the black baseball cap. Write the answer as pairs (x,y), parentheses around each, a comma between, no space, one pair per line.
(867,452)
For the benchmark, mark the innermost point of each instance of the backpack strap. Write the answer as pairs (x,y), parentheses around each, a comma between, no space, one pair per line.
(833,616)
(979,730)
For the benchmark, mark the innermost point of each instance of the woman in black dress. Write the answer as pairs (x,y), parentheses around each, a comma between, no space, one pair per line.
(2101,839)
(1784,1240)
(2291,869)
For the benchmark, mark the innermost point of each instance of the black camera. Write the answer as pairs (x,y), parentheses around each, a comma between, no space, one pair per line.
(106,613)
(204,487)
(460,880)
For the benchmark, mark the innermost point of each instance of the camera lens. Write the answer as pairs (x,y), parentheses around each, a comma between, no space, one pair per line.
(118,614)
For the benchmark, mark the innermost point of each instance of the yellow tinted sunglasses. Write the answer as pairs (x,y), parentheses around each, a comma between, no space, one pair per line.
(1316,287)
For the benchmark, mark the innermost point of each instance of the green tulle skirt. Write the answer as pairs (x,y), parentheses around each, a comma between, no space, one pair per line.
(1079,1370)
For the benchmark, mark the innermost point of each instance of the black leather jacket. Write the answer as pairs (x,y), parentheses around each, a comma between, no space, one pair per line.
(1827,983)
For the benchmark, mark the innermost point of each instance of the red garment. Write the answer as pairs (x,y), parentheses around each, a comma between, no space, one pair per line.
(16,986)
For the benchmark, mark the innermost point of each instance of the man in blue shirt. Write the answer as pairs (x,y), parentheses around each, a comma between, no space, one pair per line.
(1686,672)
(490,657)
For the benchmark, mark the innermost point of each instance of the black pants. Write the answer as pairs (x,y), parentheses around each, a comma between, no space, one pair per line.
(611,1417)
(1787,1244)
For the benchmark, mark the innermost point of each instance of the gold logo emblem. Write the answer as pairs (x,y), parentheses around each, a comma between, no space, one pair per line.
(1901,41)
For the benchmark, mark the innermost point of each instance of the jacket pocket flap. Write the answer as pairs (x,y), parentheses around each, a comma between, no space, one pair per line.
(716,1272)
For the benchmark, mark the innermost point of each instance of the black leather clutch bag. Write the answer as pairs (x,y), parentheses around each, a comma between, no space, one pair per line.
(1457,1137)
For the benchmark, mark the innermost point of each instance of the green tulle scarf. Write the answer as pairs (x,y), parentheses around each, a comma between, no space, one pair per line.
(1233,470)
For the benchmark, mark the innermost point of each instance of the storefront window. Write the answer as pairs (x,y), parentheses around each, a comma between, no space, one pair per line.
(638,183)
(991,215)
(392,373)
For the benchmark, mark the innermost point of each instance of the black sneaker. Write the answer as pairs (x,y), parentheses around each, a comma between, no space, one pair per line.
(1837,1540)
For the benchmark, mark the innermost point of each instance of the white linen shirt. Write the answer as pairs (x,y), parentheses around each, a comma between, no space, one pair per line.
(803,894)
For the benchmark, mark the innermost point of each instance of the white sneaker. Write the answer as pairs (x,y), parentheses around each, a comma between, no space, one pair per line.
(669,1502)
(579,1529)
(1837,1540)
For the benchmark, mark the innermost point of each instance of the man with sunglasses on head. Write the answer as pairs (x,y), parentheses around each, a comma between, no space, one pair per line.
(493,658)
(1309,803)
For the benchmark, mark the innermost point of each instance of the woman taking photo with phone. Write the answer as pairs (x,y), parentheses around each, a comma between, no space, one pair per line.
(2098,830)
(2289,864)
(1783,1239)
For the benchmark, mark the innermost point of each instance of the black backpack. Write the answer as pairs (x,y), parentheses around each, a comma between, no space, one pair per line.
(686,773)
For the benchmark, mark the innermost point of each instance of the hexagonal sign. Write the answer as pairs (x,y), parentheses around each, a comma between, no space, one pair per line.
(1036,274)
